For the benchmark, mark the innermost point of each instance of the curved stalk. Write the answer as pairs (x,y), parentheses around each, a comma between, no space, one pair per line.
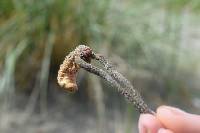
(81,57)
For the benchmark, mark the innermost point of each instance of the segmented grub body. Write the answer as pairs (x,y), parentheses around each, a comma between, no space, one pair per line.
(80,58)
(68,69)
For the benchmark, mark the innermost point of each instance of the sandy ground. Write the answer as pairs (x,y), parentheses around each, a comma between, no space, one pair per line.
(70,122)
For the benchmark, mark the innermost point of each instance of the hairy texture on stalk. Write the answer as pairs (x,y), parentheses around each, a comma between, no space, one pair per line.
(111,76)
(80,58)
(128,90)
(68,69)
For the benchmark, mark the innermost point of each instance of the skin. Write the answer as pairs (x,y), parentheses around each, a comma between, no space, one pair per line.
(169,120)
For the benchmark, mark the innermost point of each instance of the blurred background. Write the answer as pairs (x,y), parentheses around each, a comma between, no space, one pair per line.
(154,44)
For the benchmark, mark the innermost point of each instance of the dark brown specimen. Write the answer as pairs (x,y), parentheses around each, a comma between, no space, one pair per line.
(81,58)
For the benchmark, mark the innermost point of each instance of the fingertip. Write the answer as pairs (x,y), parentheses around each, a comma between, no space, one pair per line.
(177,120)
(167,117)
(148,123)
(141,122)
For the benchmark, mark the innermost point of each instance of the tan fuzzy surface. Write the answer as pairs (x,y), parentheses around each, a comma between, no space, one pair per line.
(68,70)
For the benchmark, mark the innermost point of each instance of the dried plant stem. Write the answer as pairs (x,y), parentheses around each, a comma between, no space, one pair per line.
(130,94)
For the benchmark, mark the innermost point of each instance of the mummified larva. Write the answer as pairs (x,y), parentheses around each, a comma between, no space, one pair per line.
(80,58)
(68,69)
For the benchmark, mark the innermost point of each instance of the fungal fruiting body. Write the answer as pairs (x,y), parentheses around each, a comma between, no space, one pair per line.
(81,58)
(68,69)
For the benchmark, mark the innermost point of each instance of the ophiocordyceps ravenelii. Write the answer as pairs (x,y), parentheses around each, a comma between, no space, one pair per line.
(81,58)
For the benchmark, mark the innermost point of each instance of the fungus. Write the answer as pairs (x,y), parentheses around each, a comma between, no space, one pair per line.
(81,58)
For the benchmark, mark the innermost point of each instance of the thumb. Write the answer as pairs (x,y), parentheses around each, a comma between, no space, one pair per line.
(178,120)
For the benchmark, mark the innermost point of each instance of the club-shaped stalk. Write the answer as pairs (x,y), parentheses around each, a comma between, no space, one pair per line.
(80,58)
(114,77)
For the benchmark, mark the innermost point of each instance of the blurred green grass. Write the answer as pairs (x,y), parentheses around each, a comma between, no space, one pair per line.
(153,43)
